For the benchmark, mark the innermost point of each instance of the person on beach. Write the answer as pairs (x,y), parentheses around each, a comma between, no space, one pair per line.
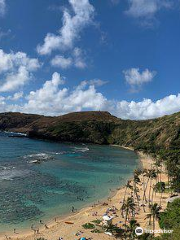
(72,209)
(46,227)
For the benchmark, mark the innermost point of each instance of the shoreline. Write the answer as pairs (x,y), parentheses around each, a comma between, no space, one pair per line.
(84,215)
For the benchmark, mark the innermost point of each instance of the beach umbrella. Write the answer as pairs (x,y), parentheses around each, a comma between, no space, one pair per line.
(83,238)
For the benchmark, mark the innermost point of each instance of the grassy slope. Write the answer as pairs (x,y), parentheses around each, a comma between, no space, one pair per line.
(98,127)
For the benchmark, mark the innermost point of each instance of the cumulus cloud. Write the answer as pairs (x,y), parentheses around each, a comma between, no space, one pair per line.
(15,70)
(16,96)
(61,61)
(2,7)
(94,82)
(136,79)
(72,26)
(15,80)
(79,61)
(76,60)
(53,100)
(146,8)
(147,109)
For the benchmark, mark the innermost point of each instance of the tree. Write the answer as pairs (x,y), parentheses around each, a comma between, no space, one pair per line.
(152,175)
(128,186)
(136,180)
(133,224)
(155,213)
(160,186)
(129,207)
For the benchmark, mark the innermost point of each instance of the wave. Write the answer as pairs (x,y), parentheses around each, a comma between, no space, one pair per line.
(42,157)
(9,173)
(38,157)
(16,133)
(81,149)
(59,153)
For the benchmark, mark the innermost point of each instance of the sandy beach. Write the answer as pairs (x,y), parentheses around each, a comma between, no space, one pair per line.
(60,227)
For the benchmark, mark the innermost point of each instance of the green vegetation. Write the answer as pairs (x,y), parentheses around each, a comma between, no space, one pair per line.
(88,226)
(113,229)
(169,220)
(171,217)
(97,231)
(97,221)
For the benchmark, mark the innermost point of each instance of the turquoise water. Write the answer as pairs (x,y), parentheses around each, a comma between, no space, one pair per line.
(68,175)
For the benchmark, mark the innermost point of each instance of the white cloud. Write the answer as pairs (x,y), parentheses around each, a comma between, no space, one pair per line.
(16,96)
(94,82)
(2,7)
(53,99)
(79,61)
(72,26)
(147,109)
(15,70)
(136,79)
(146,8)
(61,61)
(76,60)
(15,80)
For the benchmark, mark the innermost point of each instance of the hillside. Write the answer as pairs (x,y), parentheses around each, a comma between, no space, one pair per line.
(97,127)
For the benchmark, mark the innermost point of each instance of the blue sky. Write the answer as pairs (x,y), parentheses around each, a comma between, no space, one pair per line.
(59,56)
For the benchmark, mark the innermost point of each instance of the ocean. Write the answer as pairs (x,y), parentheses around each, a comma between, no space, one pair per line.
(42,179)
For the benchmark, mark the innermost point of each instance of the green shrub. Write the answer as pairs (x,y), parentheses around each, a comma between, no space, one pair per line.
(171,217)
(97,221)
(88,226)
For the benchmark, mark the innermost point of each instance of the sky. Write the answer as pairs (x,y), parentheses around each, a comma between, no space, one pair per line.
(61,56)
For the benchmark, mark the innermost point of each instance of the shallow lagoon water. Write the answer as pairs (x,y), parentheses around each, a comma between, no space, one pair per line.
(68,175)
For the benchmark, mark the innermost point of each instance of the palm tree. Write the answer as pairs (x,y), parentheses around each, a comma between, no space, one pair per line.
(158,164)
(126,209)
(128,186)
(162,187)
(155,212)
(123,208)
(136,180)
(145,174)
(132,205)
(129,207)
(152,175)
(153,191)
(133,224)
(149,215)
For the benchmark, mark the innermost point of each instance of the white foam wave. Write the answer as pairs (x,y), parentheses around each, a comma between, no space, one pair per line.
(10,174)
(81,149)
(38,155)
